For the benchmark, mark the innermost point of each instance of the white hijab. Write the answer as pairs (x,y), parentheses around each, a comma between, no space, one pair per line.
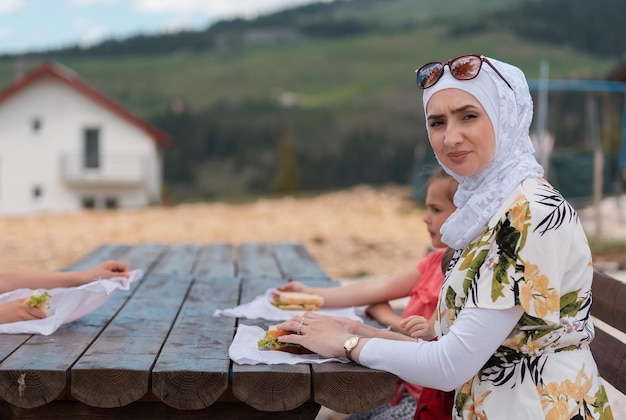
(480,196)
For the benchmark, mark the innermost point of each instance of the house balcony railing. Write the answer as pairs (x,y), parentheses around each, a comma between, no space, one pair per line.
(109,170)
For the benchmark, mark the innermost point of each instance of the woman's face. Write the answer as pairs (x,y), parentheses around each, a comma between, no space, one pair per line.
(460,132)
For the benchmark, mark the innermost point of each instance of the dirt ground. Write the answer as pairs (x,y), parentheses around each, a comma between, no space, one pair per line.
(359,232)
(353,233)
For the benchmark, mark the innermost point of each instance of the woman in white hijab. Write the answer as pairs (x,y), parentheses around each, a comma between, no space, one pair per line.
(513,320)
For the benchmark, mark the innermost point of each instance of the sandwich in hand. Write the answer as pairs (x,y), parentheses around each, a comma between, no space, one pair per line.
(271,342)
(39,300)
(298,301)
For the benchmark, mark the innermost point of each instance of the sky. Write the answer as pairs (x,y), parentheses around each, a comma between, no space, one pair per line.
(35,25)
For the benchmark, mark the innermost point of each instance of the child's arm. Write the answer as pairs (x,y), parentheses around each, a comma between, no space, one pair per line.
(11,279)
(414,326)
(362,292)
(384,314)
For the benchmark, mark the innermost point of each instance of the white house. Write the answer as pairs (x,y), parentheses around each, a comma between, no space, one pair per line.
(65,146)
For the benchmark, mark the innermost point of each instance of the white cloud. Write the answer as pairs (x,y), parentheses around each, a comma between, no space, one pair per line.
(8,6)
(218,8)
(90,32)
(4,32)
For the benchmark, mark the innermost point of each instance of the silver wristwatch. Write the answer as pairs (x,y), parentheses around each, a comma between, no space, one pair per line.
(350,344)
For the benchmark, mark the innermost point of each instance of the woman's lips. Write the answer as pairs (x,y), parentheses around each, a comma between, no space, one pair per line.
(457,157)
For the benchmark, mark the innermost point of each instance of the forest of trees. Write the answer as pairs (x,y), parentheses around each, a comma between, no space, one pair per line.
(245,142)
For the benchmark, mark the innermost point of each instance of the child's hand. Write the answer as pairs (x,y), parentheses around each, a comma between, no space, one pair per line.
(17,310)
(107,270)
(293,286)
(418,327)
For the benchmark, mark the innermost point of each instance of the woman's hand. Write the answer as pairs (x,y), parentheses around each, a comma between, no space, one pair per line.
(293,286)
(17,310)
(322,334)
(418,327)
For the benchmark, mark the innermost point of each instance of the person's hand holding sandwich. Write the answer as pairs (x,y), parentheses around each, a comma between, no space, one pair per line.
(22,310)
(36,306)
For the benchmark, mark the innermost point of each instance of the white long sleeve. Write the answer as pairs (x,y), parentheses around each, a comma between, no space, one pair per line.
(453,359)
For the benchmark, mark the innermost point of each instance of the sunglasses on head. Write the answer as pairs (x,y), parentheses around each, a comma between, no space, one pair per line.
(465,67)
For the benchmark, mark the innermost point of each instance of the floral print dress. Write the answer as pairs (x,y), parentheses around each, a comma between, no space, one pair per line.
(534,253)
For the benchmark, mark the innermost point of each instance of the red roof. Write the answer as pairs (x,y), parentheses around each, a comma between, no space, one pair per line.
(74,81)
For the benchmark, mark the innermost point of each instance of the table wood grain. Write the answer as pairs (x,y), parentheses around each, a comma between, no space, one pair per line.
(156,351)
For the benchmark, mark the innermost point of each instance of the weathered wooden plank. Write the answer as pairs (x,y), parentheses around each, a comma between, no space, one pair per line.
(349,388)
(296,262)
(143,256)
(37,372)
(177,259)
(192,370)
(154,410)
(98,255)
(610,356)
(609,295)
(215,260)
(285,387)
(257,260)
(115,370)
(10,342)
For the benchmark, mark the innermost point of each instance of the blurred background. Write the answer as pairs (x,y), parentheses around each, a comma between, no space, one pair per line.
(116,105)
(301,96)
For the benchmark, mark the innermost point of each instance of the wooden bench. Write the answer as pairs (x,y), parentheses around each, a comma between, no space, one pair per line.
(609,307)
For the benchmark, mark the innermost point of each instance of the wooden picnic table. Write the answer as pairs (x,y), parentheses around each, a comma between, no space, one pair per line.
(156,351)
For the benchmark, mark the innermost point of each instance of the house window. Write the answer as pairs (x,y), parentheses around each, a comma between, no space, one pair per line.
(110,203)
(89,203)
(36,125)
(91,148)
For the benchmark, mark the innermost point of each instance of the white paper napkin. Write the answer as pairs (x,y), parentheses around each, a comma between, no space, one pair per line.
(245,350)
(261,308)
(67,303)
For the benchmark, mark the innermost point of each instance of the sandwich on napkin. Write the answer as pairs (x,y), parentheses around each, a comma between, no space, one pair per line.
(270,342)
(39,300)
(298,301)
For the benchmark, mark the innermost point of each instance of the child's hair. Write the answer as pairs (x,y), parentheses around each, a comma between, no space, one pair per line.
(439,173)
(447,258)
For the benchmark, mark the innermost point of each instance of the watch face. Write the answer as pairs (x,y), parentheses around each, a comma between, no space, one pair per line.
(351,342)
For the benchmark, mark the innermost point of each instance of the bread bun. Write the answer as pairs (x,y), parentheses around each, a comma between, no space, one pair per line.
(298,301)
(39,300)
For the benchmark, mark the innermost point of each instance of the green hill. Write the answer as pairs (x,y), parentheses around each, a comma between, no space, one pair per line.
(335,71)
